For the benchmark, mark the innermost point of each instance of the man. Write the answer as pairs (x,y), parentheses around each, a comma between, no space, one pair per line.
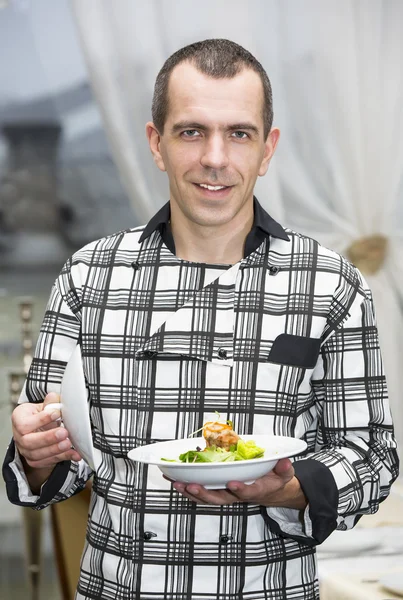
(212,306)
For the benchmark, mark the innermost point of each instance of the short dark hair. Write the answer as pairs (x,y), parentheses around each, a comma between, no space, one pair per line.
(217,58)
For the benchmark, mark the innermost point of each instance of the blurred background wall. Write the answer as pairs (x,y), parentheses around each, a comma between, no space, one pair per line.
(59,189)
(76,81)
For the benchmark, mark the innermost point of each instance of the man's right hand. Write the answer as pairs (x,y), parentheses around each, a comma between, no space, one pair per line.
(40,440)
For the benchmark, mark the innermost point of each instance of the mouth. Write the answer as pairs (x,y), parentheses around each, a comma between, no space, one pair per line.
(213,191)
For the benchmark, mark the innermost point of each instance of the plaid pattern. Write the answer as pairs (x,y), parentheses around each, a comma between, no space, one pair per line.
(165,343)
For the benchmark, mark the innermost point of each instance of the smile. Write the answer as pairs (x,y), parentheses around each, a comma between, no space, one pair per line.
(213,191)
(213,188)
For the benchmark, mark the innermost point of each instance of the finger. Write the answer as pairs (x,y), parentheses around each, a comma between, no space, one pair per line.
(27,419)
(51,402)
(218,498)
(243,492)
(181,489)
(51,408)
(51,398)
(202,495)
(52,461)
(263,486)
(284,468)
(47,452)
(192,498)
(253,492)
(41,439)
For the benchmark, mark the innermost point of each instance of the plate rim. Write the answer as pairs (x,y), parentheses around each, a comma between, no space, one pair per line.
(76,360)
(262,459)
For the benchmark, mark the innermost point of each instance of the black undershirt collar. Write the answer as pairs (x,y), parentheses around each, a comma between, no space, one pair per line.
(263,226)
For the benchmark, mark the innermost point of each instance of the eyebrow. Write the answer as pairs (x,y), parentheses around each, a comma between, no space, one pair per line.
(194,125)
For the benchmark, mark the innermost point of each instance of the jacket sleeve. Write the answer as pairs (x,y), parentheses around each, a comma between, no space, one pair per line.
(59,335)
(355,460)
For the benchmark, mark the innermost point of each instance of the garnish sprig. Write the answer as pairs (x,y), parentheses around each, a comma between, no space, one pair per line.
(228,422)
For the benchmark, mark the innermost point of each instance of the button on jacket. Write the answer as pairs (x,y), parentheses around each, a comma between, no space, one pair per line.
(283,342)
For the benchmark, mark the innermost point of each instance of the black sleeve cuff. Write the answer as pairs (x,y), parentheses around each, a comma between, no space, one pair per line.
(49,490)
(319,487)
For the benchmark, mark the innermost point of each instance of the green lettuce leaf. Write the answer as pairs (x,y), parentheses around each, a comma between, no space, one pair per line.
(240,451)
(212,454)
(248,450)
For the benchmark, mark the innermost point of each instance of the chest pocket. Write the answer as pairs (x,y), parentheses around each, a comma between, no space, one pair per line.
(284,398)
(295,351)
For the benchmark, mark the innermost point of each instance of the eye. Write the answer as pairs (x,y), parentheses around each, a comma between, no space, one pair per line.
(240,135)
(190,133)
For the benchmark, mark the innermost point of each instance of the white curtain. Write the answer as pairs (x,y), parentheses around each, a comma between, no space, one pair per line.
(336,70)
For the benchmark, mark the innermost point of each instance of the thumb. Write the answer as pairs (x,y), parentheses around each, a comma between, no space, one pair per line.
(49,407)
(284,468)
(51,398)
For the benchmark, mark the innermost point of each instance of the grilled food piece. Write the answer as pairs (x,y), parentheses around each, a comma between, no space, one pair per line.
(220,435)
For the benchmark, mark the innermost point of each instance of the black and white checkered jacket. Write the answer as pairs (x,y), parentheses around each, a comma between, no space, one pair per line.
(283,342)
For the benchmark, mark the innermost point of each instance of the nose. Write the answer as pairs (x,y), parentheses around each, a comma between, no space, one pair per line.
(215,154)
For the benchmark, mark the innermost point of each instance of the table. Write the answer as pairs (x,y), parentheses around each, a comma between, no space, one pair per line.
(356,576)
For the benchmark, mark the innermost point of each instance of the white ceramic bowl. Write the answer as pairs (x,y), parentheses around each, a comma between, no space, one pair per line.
(217,475)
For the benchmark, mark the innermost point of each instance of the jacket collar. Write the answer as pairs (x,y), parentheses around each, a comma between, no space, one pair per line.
(263,226)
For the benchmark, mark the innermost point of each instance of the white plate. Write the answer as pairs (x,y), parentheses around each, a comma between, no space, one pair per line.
(75,409)
(393,582)
(217,475)
(349,543)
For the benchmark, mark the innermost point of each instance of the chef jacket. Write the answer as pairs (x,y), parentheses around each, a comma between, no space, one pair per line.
(283,342)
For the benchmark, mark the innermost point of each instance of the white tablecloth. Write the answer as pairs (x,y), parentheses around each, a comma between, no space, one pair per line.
(354,575)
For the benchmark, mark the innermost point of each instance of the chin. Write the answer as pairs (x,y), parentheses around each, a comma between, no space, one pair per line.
(212,218)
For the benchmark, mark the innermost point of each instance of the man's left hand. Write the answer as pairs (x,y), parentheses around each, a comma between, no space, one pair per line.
(280,487)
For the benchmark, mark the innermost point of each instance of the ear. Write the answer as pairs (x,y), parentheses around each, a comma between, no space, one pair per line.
(270,148)
(154,140)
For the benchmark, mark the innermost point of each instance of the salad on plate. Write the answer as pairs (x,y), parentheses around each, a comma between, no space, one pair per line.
(223,444)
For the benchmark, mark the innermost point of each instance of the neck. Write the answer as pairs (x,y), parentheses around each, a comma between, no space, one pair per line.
(215,244)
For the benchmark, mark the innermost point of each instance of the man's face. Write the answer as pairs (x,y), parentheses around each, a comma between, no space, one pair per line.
(213,136)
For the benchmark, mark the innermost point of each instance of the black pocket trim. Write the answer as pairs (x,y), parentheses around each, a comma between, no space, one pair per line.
(295,350)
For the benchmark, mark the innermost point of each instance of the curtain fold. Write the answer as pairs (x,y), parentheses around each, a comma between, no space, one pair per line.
(338,98)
